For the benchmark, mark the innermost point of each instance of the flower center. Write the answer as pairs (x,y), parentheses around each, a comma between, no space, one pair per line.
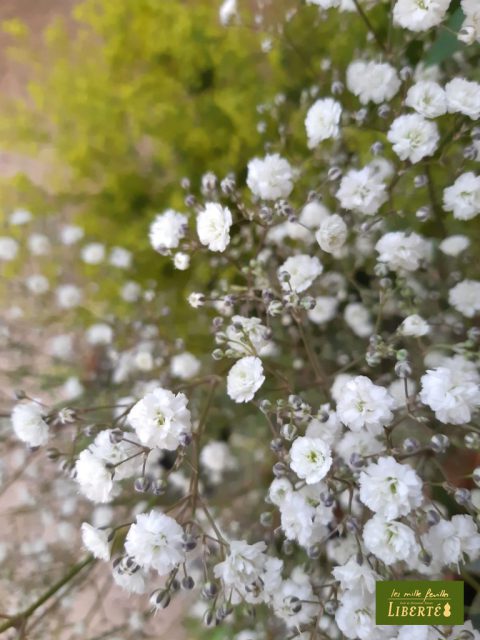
(160,419)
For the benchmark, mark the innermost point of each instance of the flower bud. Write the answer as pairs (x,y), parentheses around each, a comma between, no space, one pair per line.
(420,181)
(189,542)
(433,517)
(288,431)
(467,34)
(280,469)
(142,485)
(472,440)
(188,583)
(330,607)
(403,369)
(334,173)
(410,445)
(159,487)
(425,557)
(266,518)
(463,496)
(439,443)
(209,590)
(314,551)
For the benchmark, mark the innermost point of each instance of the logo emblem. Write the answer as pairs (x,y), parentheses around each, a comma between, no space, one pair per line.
(416,602)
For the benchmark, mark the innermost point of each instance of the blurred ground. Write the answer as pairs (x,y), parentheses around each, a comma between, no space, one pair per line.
(37,14)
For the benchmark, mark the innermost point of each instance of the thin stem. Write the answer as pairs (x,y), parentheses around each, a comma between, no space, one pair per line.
(20,618)
(369,25)
(312,356)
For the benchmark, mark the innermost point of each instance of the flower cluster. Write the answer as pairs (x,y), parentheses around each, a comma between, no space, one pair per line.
(309,450)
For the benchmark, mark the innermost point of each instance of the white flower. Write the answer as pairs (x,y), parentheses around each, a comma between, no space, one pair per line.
(310,458)
(93,253)
(322,121)
(372,81)
(123,457)
(362,443)
(96,541)
(131,291)
(68,296)
(181,261)
(270,178)
(358,318)
(38,244)
(217,458)
(120,258)
(196,299)
(389,541)
(29,425)
(397,390)
(463,197)
(324,310)
(244,379)
(362,191)
(413,137)
(450,541)
(94,478)
(302,271)
(213,226)
(427,98)
(155,542)
(463,96)
(61,346)
(454,245)
(355,617)
(131,578)
(37,284)
(465,297)
(327,426)
(247,336)
(99,333)
(184,366)
(8,248)
(414,325)
(72,388)
(354,576)
(402,251)
(364,404)
(70,234)
(286,598)
(303,517)
(419,15)
(161,418)
(471,9)
(390,489)
(20,217)
(278,491)
(332,234)
(247,569)
(228,11)
(167,230)
(452,391)
(313,214)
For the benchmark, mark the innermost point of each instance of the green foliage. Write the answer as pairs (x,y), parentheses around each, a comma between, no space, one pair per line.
(446,43)
(128,99)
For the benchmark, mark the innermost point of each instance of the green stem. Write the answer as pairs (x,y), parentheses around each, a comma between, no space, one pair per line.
(369,25)
(20,618)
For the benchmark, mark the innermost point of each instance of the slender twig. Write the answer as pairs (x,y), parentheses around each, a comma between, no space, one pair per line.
(369,25)
(20,618)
